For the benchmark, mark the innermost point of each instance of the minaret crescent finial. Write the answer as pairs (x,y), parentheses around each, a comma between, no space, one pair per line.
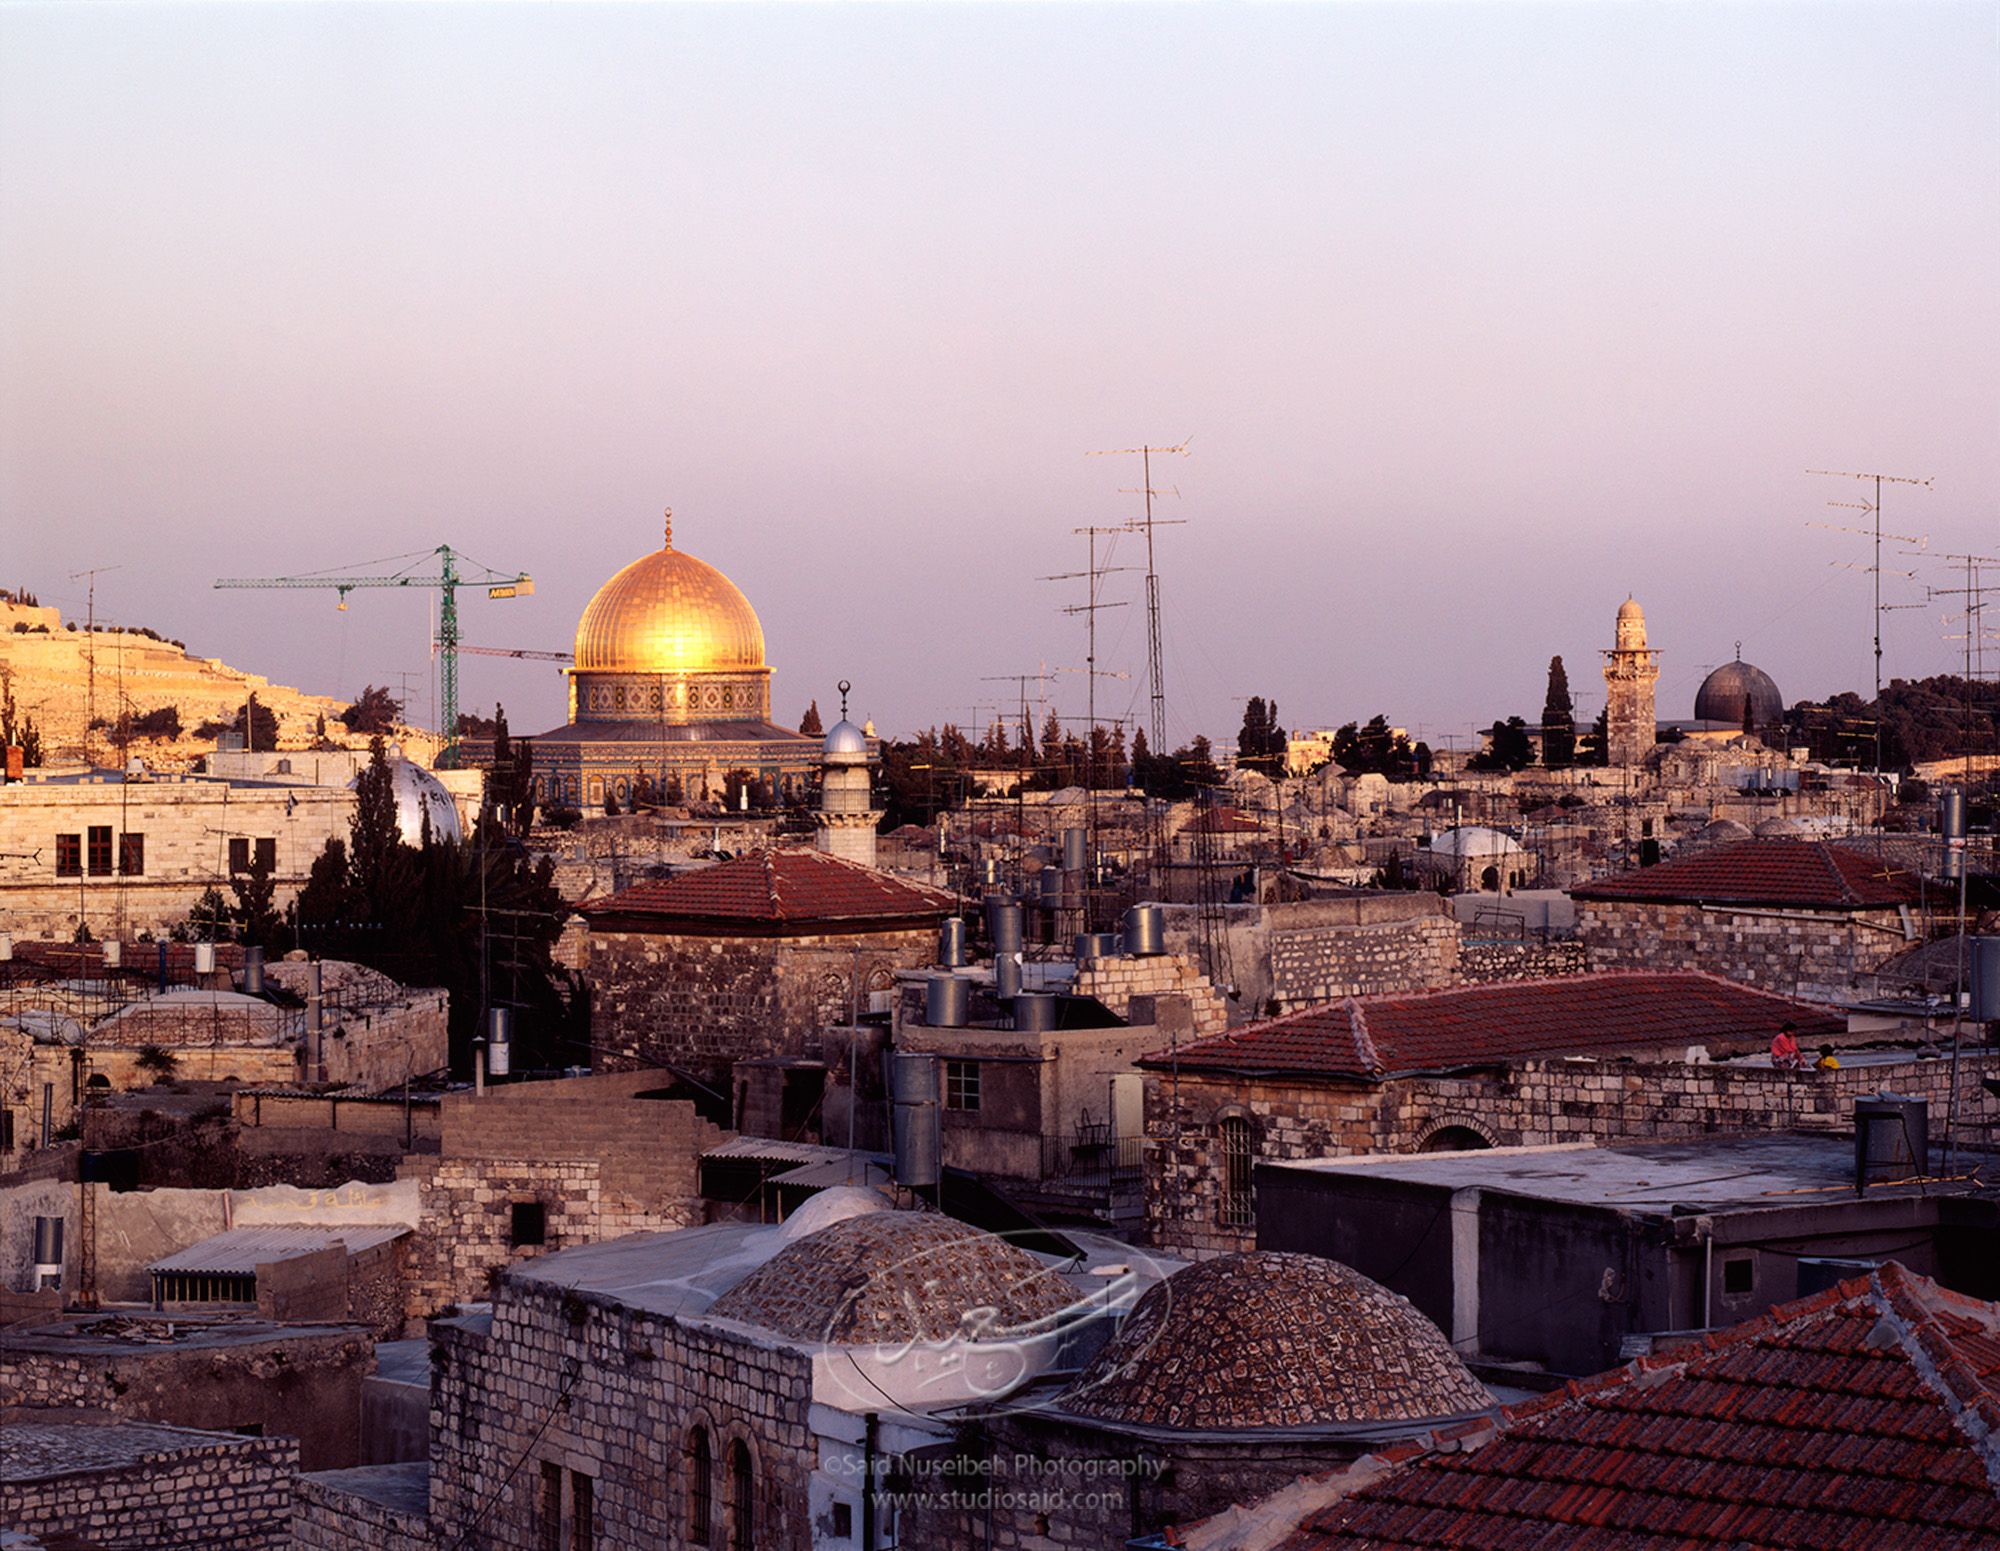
(670,527)
(844,688)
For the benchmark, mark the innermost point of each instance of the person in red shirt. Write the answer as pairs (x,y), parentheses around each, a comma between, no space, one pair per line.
(1785,1049)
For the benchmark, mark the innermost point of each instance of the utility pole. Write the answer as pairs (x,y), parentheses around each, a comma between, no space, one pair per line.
(1155,666)
(1874,508)
(1089,609)
(90,650)
(1022,680)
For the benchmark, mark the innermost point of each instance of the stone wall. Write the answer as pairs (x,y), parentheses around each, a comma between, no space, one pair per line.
(1116,980)
(302,1384)
(1792,952)
(328,1516)
(1529,959)
(1529,1104)
(702,1003)
(206,1492)
(578,1384)
(1324,962)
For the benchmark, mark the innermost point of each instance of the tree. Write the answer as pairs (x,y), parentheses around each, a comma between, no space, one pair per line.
(207,921)
(375,836)
(1592,752)
(256,915)
(1260,745)
(375,710)
(1558,720)
(255,724)
(17,731)
(157,1063)
(1510,748)
(809,724)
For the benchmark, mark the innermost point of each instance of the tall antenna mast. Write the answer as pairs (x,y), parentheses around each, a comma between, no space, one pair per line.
(1874,507)
(1089,609)
(90,651)
(1155,669)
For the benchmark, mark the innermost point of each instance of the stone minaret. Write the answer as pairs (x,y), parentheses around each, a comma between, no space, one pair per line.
(847,815)
(1631,670)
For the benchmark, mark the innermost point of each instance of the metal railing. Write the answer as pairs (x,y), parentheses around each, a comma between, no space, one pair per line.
(1092,1158)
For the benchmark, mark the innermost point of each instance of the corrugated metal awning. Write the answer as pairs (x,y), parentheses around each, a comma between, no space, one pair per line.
(241,1250)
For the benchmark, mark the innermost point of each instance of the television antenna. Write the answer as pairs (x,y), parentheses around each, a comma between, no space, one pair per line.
(1155,675)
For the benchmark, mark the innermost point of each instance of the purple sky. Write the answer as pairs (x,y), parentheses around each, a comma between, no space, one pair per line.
(1480,317)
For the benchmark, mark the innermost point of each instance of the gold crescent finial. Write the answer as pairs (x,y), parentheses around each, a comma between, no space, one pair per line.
(670,527)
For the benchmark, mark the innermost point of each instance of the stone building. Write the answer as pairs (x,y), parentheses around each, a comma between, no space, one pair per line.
(751,958)
(298,1381)
(1797,916)
(847,817)
(1631,672)
(1228,1380)
(71,1478)
(1510,1064)
(669,684)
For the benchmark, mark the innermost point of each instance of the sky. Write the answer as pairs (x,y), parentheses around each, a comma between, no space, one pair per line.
(1479,318)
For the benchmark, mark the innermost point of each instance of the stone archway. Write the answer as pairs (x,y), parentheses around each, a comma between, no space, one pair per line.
(1455,1133)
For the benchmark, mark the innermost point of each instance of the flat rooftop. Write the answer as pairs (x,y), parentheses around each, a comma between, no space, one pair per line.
(136,1333)
(406,1488)
(76,1443)
(1737,1173)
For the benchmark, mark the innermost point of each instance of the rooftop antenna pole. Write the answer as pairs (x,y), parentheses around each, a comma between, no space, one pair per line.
(90,650)
(1089,611)
(1874,508)
(1155,673)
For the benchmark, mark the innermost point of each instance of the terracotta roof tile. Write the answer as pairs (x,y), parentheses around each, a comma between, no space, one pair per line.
(1620,1013)
(776,888)
(1841,1420)
(1799,874)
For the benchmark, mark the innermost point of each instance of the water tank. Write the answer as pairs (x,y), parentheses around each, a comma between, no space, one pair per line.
(1951,814)
(253,971)
(951,942)
(1051,879)
(947,1001)
(1003,924)
(1146,931)
(204,958)
(48,1263)
(990,872)
(1075,857)
(1086,948)
(1007,976)
(1984,953)
(1034,1010)
(1891,1139)
(913,1085)
(114,953)
(1091,946)
(499,1041)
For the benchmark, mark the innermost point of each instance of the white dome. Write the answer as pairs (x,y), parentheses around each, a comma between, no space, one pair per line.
(845,738)
(418,794)
(1474,840)
(835,1204)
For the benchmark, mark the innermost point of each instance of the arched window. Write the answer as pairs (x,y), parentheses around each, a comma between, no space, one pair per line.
(701,1488)
(1453,1139)
(742,1498)
(1237,1211)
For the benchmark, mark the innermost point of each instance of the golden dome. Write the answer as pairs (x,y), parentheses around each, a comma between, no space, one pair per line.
(669,613)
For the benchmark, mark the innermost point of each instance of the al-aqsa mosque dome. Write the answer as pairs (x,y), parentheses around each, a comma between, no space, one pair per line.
(670,694)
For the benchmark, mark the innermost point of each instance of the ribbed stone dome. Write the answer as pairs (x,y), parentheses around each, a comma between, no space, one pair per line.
(1725,692)
(668,612)
(1274,1340)
(894,1277)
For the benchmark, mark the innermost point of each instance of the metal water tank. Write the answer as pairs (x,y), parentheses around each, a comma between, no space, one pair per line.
(1891,1139)
(1007,976)
(1951,813)
(1035,1010)
(1146,931)
(48,1262)
(1984,953)
(499,1041)
(990,872)
(913,1087)
(1003,924)
(947,1001)
(253,971)
(1051,881)
(113,951)
(951,942)
(204,958)
(1075,855)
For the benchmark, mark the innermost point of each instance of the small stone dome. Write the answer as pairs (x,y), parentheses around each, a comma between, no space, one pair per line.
(1630,609)
(1274,1340)
(892,1277)
(844,738)
(1471,840)
(1723,832)
(1780,829)
(1726,692)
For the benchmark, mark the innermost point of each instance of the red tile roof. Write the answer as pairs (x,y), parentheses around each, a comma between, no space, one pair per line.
(1621,1013)
(773,888)
(1799,874)
(1865,1417)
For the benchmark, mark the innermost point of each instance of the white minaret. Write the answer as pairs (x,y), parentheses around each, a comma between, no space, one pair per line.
(847,814)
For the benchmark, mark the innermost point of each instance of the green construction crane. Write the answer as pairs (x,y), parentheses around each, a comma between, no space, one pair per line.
(447,581)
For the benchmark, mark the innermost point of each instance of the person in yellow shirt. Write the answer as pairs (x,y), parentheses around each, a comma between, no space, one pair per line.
(1827,1061)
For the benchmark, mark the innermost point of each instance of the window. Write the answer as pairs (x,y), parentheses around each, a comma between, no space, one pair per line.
(528,1225)
(240,854)
(582,1511)
(132,855)
(742,1498)
(100,850)
(961,1085)
(701,1488)
(550,1512)
(843,1521)
(69,856)
(1739,1275)
(1237,1211)
(6,1130)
